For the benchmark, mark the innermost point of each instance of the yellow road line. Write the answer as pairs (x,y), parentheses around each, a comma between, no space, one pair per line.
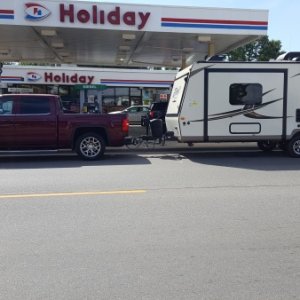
(72,194)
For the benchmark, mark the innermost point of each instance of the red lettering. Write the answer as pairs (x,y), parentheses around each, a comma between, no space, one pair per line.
(90,79)
(114,16)
(48,76)
(67,13)
(57,78)
(94,14)
(144,18)
(129,18)
(64,78)
(102,17)
(82,79)
(83,16)
(74,78)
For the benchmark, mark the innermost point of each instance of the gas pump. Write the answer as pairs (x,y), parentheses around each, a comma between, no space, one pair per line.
(91,105)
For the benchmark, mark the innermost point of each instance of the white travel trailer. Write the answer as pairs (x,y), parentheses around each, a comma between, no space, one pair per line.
(238,101)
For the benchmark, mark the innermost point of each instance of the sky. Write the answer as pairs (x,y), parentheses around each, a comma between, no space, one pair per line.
(284,15)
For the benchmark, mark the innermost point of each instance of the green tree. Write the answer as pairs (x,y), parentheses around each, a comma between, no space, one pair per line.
(262,49)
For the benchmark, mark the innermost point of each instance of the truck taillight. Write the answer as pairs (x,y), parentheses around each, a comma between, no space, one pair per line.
(151,114)
(125,125)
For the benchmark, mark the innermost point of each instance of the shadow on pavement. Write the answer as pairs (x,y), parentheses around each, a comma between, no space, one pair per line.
(252,160)
(231,158)
(68,161)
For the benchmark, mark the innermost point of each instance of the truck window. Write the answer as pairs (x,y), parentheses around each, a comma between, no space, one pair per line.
(6,106)
(34,105)
(245,94)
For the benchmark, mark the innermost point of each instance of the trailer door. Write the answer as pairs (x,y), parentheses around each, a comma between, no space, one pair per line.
(245,104)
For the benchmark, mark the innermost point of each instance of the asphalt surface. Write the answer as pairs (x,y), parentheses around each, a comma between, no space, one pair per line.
(196,223)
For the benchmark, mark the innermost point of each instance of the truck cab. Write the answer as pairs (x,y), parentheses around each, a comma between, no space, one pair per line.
(38,122)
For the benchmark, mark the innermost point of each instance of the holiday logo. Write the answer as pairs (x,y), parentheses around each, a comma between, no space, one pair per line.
(36,12)
(33,76)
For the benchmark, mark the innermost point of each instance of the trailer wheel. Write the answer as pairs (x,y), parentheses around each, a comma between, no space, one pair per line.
(90,146)
(293,146)
(266,145)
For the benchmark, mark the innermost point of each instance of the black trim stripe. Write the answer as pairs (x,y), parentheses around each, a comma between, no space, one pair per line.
(285,92)
(205,125)
(250,132)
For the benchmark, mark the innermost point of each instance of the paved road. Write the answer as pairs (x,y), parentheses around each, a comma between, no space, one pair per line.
(155,225)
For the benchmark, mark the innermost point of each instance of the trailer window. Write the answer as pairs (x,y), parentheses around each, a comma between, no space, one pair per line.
(245,94)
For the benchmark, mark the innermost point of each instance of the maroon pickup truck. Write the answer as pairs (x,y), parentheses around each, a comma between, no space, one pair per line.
(39,122)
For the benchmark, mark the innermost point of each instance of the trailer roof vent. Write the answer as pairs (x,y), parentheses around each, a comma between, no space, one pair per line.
(218,57)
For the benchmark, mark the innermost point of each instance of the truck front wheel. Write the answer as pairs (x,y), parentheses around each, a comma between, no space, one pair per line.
(90,146)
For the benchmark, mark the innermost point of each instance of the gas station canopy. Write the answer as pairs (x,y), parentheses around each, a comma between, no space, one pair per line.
(128,35)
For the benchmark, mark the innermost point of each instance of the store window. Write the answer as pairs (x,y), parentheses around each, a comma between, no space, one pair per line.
(245,94)
(108,100)
(52,89)
(148,95)
(135,96)
(70,97)
(122,97)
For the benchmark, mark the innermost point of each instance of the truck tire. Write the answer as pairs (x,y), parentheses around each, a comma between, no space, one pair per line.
(293,146)
(266,145)
(90,146)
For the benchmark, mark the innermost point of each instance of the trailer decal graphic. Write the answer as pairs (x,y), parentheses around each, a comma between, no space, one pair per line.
(248,111)
(255,115)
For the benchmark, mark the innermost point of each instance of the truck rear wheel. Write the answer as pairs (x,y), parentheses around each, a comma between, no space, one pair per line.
(293,146)
(90,146)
